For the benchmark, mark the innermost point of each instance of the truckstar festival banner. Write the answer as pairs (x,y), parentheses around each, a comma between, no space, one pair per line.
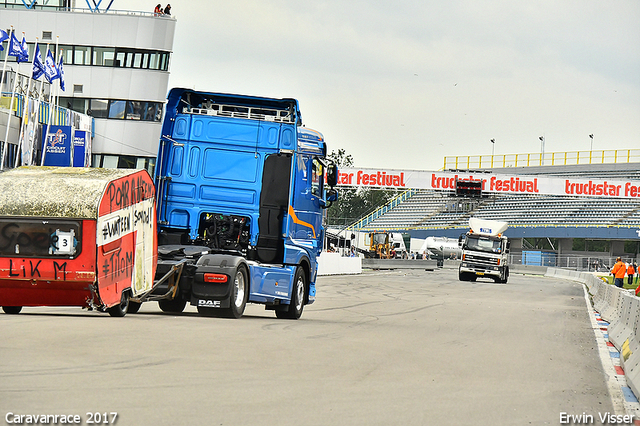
(491,183)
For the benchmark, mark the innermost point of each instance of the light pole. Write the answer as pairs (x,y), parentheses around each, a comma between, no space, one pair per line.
(591,136)
(493,146)
(542,149)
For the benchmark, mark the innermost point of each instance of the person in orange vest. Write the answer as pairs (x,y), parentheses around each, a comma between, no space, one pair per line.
(630,272)
(618,270)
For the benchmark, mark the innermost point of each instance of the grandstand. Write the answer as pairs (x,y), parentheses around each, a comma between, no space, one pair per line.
(439,213)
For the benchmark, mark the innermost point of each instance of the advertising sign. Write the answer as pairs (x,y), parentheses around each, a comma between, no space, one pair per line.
(79,147)
(491,182)
(57,146)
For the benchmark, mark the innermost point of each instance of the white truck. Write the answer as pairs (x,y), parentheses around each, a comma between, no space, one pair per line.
(485,251)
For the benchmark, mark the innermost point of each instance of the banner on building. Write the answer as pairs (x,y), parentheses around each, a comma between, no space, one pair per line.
(491,183)
(79,148)
(57,146)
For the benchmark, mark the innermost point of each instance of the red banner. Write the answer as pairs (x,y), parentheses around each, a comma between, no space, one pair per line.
(491,183)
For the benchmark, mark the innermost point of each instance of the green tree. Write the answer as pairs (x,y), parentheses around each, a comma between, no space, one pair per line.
(354,203)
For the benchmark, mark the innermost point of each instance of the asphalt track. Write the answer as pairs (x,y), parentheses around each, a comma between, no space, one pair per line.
(382,348)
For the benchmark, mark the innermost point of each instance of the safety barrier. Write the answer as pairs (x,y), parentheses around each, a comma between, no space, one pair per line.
(335,264)
(399,264)
(621,309)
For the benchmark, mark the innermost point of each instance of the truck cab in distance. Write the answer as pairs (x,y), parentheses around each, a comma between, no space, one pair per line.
(242,187)
(485,251)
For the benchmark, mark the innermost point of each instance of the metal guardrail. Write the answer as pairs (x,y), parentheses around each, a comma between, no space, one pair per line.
(540,159)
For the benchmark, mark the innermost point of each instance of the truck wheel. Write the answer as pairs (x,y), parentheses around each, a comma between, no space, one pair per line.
(239,293)
(294,309)
(174,306)
(464,276)
(12,310)
(122,308)
(134,307)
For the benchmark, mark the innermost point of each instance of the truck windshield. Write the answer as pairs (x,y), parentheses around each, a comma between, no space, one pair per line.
(380,238)
(484,244)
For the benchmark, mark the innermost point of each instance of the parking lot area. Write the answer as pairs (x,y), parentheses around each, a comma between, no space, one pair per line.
(382,348)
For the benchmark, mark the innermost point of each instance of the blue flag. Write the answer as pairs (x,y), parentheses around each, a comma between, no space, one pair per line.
(3,37)
(61,74)
(38,66)
(50,70)
(25,51)
(15,49)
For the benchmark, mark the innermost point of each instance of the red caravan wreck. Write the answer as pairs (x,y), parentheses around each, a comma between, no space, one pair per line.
(76,237)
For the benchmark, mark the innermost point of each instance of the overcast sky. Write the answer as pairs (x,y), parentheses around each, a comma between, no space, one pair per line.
(401,84)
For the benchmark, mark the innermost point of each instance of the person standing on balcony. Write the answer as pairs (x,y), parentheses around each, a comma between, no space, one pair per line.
(618,271)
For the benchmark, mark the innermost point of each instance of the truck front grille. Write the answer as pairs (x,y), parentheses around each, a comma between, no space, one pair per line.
(482,260)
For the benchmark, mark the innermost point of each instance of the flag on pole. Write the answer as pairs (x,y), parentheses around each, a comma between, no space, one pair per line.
(38,66)
(15,49)
(25,50)
(61,74)
(50,70)
(3,37)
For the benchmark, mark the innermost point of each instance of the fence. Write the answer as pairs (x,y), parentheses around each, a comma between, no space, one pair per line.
(574,262)
(539,159)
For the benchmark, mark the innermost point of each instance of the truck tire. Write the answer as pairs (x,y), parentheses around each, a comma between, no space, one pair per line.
(464,276)
(134,307)
(174,306)
(504,276)
(239,293)
(122,308)
(12,310)
(294,309)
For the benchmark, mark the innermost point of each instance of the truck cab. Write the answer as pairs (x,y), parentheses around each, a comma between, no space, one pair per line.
(242,187)
(485,251)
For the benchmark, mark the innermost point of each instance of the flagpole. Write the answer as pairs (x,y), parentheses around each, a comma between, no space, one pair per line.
(58,86)
(4,69)
(13,95)
(51,113)
(25,117)
(6,56)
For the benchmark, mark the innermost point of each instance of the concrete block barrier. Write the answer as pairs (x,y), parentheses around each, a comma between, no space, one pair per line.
(399,264)
(622,329)
(621,308)
(334,264)
(630,351)
(611,311)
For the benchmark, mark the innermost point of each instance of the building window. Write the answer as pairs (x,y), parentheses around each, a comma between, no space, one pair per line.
(124,162)
(104,56)
(99,108)
(67,53)
(117,109)
(82,55)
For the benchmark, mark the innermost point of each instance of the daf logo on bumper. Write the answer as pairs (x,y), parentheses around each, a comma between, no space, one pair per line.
(209,303)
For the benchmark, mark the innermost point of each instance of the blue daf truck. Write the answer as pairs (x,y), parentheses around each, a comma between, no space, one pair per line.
(241,190)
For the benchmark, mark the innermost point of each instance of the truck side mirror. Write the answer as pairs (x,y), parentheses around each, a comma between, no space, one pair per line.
(460,238)
(332,175)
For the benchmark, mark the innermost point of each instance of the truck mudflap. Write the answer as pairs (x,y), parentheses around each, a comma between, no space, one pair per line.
(214,279)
